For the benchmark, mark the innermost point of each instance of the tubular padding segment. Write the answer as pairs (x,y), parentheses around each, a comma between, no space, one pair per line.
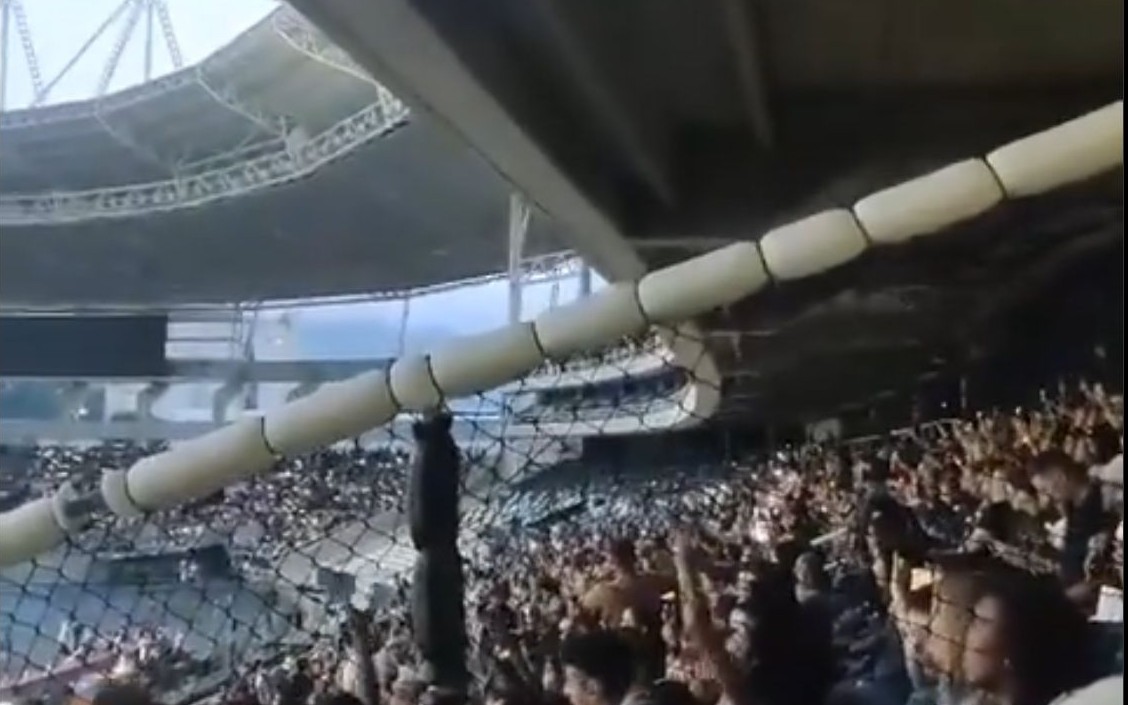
(201,467)
(687,346)
(690,288)
(412,385)
(485,361)
(1074,151)
(115,493)
(930,203)
(28,530)
(591,323)
(63,496)
(335,411)
(813,245)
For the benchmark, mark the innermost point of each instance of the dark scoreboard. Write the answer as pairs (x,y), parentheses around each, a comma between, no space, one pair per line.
(83,346)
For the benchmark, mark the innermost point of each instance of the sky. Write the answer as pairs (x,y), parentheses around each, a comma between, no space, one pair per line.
(58,30)
(371,330)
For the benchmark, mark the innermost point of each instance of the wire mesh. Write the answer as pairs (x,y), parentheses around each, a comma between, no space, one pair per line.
(965,554)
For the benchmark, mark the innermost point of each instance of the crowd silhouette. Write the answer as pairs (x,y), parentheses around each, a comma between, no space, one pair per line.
(969,560)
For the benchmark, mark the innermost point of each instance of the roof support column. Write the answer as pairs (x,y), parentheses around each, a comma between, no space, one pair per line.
(5,63)
(148,397)
(585,280)
(233,390)
(405,320)
(518,229)
(73,397)
(245,324)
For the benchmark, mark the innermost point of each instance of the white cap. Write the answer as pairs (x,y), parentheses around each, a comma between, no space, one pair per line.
(1107,691)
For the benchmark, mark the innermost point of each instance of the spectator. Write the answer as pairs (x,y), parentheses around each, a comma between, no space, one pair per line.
(1026,644)
(1082,503)
(599,669)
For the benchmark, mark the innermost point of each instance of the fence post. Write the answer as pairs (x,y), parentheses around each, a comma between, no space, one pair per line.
(437,611)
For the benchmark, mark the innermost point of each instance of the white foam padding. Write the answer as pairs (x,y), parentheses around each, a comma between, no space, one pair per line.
(200,467)
(485,361)
(812,245)
(115,493)
(686,345)
(929,203)
(65,494)
(698,399)
(338,410)
(1073,151)
(412,384)
(591,323)
(28,530)
(697,285)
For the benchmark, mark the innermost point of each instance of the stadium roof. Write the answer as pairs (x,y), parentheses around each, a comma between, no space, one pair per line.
(275,168)
(659,130)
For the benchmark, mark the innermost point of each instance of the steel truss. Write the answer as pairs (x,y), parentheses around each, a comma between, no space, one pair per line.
(267,171)
(13,11)
(128,14)
(306,38)
(285,156)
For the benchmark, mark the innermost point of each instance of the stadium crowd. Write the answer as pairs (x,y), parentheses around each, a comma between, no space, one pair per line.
(977,561)
(299,502)
(631,348)
(972,562)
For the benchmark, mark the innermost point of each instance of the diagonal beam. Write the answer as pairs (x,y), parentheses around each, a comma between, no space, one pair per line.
(124,35)
(125,138)
(630,132)
(41,94)
(304,38)
(169,32)
(393,41)
(226,96)
(745,40)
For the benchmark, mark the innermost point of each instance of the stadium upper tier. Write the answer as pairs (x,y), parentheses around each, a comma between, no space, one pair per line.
(273,169)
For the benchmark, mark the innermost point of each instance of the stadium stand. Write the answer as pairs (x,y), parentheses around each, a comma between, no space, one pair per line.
(966,489)
(608,533)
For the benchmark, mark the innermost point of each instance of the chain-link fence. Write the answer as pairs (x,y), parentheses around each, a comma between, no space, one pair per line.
(249,592)
(604,550)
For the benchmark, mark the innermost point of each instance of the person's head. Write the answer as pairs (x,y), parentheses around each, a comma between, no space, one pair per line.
(1106,443)
(1056,477)
(599,668)
(407,690)
(953,601)
(623,558)
(740,641)
(1027,643)
(810,572)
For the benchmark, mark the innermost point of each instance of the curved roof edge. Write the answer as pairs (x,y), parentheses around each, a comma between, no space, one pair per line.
(291,162)
(295,157)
